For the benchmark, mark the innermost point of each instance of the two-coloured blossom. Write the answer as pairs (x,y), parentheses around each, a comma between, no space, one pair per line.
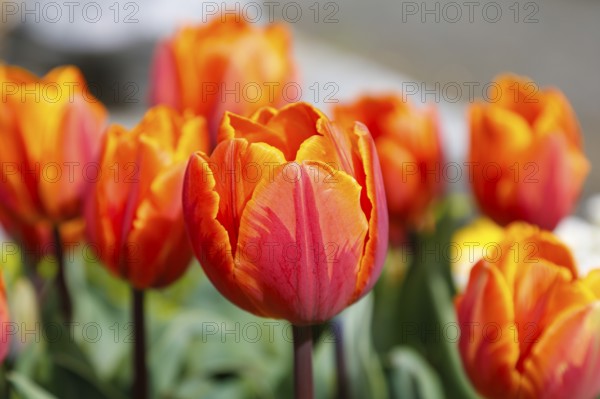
(134,216)
(526,154)
(288,215)
(529,325)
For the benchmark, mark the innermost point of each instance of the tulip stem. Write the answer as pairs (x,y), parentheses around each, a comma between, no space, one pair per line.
(140,369)
(303,378)
(343,383)
(61,280)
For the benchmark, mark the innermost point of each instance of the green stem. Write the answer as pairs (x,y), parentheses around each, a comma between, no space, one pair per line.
(343,383)
(61,281)
(303,378)
(140,368)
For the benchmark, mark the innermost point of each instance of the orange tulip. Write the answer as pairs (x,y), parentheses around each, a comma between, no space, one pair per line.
(225,65)
(288,215)
(529,326)
(134,217)
(527,154)
(51,129)
(408,143)
(4,320)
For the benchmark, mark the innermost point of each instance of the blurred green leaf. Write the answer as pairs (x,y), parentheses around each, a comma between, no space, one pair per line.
(412,376)
(365,372)
(418,311)
(27,388)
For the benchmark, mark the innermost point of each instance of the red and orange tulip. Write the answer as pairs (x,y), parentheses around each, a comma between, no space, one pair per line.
(529,325)
(288,215)
(225,65)
(527,154)
(409,148)
(51,129)
(134,216)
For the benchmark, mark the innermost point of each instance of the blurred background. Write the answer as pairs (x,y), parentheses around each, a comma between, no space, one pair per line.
(448,51)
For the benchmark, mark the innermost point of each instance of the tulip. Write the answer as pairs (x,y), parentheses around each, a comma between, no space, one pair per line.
(529,325)
(134,216)
(288,218)
(4,320)
(408,143)
(51,130)
(526,153)
(225,65)
(287,215)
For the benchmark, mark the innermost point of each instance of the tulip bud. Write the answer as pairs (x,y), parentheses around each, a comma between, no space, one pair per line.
(51,130)
(134,217)
(225,65)
(527,154)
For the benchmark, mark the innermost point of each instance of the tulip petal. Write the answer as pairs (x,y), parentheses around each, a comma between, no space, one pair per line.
(295,123)
(235,126)
(498,128)
(157,217)
(565,363)
(559,115)
(332,144)
(264,115)
(557,173)
(309,249)
(592,281)
(527,244)
(239,167)
(399,164)
(542,290)
(376,211)
(285,129)
(193,138)
(164,77)
(209,238)
(487,343)
(19,193)
(373,111)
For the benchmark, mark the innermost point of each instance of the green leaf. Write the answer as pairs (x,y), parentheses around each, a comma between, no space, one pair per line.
(27,388)
(419,310)
(412,376)
(365,369)
(365,372)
